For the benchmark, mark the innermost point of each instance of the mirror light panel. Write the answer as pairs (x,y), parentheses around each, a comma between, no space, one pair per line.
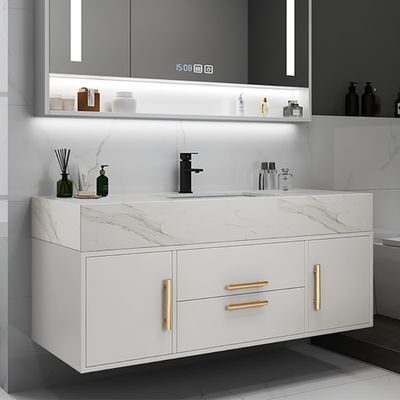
(290,37)
(76,30)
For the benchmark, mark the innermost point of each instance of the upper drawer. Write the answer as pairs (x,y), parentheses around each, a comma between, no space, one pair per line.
(238,270)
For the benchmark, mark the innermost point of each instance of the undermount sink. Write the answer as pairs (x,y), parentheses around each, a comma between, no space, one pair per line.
(213,195)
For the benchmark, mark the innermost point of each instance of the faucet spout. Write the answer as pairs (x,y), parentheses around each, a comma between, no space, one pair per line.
(185,173)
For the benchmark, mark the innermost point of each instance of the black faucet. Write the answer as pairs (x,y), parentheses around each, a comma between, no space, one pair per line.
(186,172)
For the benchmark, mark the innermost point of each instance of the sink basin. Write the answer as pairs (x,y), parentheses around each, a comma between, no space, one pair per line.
(184,196)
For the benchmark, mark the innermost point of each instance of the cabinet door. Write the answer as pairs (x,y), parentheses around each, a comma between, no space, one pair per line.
(126,307)
(345,277)
(105,37)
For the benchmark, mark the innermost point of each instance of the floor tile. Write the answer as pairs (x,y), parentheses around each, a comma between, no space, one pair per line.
(306,368)
(264,374)
(385,388)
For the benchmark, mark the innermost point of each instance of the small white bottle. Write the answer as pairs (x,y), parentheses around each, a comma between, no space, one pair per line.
(264,107)
(240,105)
(273,176)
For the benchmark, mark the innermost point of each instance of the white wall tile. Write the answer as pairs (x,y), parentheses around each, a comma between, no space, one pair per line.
(21,4)
(20,53)
(3,46)
(3,146)
(367,156)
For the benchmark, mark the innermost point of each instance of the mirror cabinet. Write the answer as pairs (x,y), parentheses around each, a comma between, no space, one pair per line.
(199,59)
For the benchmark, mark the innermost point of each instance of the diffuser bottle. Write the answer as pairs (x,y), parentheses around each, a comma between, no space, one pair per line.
(368,102)
(352,101)
(64,185)
(102,183)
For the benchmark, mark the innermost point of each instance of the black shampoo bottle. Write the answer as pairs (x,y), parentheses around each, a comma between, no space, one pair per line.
(352,101)
(368,103)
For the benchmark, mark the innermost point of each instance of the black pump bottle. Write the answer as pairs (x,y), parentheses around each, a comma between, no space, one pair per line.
(368,103)
(397,107)
(352,101)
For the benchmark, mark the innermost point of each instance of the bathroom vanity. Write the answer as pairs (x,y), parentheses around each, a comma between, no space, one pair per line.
(135,279)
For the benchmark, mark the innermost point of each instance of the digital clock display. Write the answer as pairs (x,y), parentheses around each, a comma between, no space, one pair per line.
(207,69)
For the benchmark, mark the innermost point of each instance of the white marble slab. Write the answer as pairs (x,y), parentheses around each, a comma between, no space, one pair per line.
(56,222)
(147,221)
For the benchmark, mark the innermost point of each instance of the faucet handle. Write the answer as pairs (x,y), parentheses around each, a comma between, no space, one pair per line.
(186,156)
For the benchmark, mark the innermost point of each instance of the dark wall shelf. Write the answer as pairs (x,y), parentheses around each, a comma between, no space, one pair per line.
(354,40)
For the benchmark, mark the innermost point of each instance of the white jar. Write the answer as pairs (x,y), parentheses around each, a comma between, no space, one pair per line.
(56,103)
(124,103)
(69,103)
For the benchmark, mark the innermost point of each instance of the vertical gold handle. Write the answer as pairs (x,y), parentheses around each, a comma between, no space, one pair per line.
(168,304)
(317,277)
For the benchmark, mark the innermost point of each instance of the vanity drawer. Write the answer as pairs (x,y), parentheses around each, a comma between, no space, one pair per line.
(208,322)
(247,269)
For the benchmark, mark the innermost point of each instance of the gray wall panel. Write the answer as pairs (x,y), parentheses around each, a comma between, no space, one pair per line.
(354,40)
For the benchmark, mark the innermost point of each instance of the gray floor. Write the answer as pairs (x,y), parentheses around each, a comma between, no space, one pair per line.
(296,372)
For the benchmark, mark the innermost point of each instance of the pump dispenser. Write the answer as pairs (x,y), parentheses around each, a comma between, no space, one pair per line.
(352,101)
(368,103)
(102,182)
(397,107)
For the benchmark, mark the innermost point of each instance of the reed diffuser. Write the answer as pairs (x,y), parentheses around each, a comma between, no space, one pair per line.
(64,185)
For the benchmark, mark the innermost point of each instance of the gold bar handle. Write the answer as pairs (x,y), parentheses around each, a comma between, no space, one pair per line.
(253,304)
(168,304)
(250,285)
(317,277)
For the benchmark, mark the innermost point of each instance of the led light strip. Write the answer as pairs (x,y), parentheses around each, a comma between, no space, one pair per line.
(290,37)
(76,30)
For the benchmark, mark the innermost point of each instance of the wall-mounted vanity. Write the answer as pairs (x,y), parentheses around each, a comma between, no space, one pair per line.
(182,59)
(130,280)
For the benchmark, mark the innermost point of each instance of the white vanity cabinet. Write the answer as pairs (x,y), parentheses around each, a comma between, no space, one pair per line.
(128,305)
(340,270)
(167,285)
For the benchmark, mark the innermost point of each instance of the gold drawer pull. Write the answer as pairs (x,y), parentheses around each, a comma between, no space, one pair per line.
(253,304)
(168,304)
(250,285)
(317,277)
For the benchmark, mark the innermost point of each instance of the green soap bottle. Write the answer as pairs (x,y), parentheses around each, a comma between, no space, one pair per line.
(102,183)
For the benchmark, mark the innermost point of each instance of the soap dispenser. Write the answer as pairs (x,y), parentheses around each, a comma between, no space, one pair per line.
(102,182)
(352,101)
(397,107)
(368,103)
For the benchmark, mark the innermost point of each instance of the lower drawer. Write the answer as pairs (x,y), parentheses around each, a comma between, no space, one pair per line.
(208,323)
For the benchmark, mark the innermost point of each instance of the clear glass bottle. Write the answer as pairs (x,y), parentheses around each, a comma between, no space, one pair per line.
(262,177)
(273,176)
(293,109)
(285,180)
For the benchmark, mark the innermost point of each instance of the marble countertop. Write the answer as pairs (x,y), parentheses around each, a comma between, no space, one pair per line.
(174,196)
(154,220)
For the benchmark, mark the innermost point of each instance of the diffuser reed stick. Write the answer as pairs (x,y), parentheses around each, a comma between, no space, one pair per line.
(63,159)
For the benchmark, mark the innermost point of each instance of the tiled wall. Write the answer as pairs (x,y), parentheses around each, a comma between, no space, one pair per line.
(3,190)
(361,154)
